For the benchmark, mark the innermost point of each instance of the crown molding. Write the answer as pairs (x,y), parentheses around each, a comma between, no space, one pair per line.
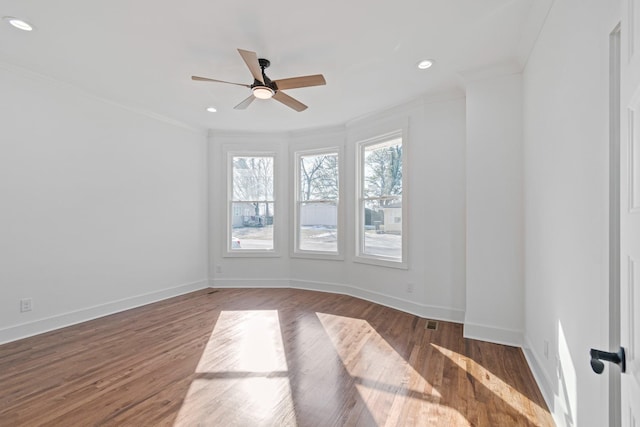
(489,72)
(253,135)
(407,106)
(33,75)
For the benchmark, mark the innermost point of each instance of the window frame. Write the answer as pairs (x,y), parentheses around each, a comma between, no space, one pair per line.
(296,202)
(360,200)
(229,252)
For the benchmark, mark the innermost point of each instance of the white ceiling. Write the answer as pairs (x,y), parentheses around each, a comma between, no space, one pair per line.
(142,53)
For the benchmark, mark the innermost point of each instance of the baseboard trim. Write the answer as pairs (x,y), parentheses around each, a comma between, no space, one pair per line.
(539,374)
(41,326)
(422,310)
(493,334)
(249,283)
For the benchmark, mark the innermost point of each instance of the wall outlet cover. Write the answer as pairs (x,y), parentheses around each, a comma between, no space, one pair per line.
(26,304)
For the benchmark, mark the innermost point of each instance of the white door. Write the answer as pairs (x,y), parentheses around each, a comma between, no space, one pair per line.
(630,212)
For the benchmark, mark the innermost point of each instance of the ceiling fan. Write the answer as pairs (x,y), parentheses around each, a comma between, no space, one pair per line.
(264,88)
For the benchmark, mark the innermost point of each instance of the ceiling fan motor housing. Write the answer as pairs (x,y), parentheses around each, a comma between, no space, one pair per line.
(264,63)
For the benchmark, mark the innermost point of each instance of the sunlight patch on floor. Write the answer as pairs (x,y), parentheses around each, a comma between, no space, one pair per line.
(243,371)
(501,389)
(374,364)
(256,343)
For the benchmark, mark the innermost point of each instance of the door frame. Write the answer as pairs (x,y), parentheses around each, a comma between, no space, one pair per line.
(615,76)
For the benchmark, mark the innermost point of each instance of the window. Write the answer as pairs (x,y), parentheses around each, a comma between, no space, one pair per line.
(317,203)
(251,204)
(381,217)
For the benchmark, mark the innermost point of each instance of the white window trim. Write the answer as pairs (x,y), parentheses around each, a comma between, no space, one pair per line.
(360,257)
(228,252)
(296,252)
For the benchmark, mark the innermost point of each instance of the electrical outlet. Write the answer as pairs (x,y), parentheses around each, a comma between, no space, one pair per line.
(410,288)
(218,269)
(26,304)
(546,349)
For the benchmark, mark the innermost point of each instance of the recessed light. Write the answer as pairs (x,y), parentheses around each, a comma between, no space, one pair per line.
(18,23)
(425,63)
(211,109)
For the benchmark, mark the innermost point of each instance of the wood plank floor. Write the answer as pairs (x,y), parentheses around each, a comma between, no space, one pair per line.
(268,357)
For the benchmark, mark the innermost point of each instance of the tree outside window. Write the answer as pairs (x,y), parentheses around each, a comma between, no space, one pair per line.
(380,199)
(252,197)
(317,202)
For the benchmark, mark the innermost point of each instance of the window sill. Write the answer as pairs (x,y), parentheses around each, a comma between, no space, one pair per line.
(381,262)
(323,256)
(251,254)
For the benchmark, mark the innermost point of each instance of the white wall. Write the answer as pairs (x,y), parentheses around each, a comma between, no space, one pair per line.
(436,185)
(102,208)
(494,289)
(566,203)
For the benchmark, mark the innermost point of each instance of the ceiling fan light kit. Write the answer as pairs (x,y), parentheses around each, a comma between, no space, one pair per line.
(263,92)
(265,88)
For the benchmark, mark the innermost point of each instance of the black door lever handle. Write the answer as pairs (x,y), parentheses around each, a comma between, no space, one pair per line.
(597,356)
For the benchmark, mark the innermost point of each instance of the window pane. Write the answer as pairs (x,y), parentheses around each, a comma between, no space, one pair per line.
(383,169)
(383,228)
(319,177)
(318,227)
(253,178)
(252,226)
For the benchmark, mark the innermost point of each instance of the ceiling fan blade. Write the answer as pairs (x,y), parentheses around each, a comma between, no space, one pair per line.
(305,81)
(244,104)
(205,79)
(251,59)
(289,101)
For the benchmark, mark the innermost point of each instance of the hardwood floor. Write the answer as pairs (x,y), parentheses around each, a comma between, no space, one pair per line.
(270,357)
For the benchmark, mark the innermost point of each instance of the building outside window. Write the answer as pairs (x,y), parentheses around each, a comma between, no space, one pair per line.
(251,203)
(317,202)
(381,218)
